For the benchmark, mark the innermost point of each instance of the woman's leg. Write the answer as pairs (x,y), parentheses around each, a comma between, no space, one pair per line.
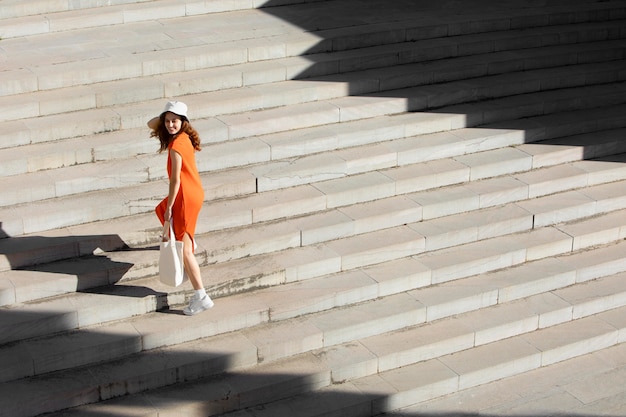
(191,264)
(200,300)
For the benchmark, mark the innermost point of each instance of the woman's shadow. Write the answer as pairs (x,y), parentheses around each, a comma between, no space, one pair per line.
(83,264)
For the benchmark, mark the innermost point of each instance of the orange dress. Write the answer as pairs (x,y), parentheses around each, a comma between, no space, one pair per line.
(190,196)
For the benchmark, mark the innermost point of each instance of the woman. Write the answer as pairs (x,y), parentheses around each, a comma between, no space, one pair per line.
(184,201)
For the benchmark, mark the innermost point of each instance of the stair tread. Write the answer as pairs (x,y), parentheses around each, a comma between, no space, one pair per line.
(542,347)
(108,93)
(601,197)
(145,296)
(587,173)
(258,121)
(51,193)
(402,204)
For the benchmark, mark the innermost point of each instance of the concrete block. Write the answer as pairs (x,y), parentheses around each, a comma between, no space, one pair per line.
(17,81)
(428,175)
(399,275)
(322,227)
(382,214)
(615,318)
(235,154)
(300,171)
(449,299)
(473,258)
(22,322)
(78,73)
(544,243)
(355,189)
(367,319)
(532,278)
(54,393)
(495,163)
(414,384)
(546,154)
(34,285)
(572,339)
(308,262)
(376,247)
(445,201)
(501,322)
(368,158)
(607,196)
(596,296)
(493,361)
(264,238)
(86,19)
(276,120)
(600,262)
(363,107)
(413,345)
(285,339)
(553,179)
(604,170)
(559,208)
(348,361)
(277,204)
(596,231)
(83,348)
(320,294)
(14,190)
(496,191)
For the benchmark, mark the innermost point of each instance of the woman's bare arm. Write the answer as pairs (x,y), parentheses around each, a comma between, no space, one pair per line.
(177,163)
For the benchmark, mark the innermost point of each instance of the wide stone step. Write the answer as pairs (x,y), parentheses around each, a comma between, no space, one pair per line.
(138,196)
(42,17)
(401,388)
(118,173)
(14,8)
(350,242)
(256,120)
(587,382)
(241,23)
(52,353)
(559,325)
(85,273)
(141,199)
(510,186)
(245,211)
(596,42)
(116,145)
(58,314)
(23,20)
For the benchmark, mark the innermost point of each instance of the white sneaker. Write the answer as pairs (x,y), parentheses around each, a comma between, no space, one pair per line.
(198,305)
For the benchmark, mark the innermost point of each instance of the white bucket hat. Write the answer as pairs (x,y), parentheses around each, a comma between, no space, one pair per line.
(176,107)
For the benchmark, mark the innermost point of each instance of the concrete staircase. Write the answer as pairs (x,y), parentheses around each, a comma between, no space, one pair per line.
(404,200)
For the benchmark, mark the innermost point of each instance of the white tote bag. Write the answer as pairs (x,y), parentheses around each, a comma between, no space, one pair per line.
(171,269)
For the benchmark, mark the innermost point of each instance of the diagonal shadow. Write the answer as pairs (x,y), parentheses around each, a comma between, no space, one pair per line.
(76,258)
(437,69)
(312,17)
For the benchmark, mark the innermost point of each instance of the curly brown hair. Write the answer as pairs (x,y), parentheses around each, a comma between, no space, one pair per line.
(165,138)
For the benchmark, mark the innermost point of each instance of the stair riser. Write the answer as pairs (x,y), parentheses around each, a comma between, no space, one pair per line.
(423,207)
(482,261)
(354,234)
(108,94)
(34,224)
(103,120)
(603,337)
